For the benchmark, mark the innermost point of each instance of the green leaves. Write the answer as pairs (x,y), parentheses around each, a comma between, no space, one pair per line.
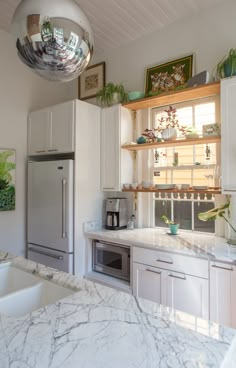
(214,213)
(6,167)
(166,220)
(105,95)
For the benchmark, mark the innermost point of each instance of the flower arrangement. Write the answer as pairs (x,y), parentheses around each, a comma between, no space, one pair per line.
(170,121)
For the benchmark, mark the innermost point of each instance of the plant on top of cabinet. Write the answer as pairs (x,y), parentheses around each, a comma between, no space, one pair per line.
(112,94)
(227,66)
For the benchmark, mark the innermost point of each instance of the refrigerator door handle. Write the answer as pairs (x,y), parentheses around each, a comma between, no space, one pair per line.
(60,258)
(63,208)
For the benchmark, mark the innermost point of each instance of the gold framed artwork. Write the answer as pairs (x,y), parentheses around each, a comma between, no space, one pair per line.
(170,76)
(91,81)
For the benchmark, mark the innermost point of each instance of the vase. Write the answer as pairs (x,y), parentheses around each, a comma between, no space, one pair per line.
(169,134)
(174,228)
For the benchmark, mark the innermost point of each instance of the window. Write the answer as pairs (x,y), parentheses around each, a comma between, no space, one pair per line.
(194,165)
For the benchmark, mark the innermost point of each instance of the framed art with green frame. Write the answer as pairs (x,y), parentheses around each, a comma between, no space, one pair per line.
(170,76)
(7,179)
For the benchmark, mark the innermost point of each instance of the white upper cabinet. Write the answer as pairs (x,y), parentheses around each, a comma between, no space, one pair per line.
(51,130)
(228,133)
(116,164)
(223,294)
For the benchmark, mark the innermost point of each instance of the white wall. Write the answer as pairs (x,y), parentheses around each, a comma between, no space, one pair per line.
(209,35)
(20,92)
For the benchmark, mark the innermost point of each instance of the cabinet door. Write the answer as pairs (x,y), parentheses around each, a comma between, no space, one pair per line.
(148,282)
(223,294)
(62,128)
(38,132)
(188,294)
(110,148)
(228,133)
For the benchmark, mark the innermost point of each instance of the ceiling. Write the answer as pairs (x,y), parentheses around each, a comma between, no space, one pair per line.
(116,22)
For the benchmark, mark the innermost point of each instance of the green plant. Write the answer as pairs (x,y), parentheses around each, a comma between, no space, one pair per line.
(227,66)
(6,167)
(167,221)
(105,95)
(217,212)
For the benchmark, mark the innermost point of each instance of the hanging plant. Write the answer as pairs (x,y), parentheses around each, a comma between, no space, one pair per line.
(227,66)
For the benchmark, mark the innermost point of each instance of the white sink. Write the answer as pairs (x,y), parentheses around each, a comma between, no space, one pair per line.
(13,279)
(22,293)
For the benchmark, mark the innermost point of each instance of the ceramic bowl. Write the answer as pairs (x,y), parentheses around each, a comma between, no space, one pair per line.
(126,186)
(146,184)
(185,186)
(134,95)
(134,185)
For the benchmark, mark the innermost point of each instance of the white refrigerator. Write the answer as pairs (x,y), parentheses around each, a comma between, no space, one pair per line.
(50,214)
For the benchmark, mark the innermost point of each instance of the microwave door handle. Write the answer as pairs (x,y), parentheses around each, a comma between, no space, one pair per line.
(63,235)
(111,247)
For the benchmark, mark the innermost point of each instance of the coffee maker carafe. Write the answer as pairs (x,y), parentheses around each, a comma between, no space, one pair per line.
(116,213)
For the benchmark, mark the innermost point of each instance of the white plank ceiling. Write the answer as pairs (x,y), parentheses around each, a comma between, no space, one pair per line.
(116,22)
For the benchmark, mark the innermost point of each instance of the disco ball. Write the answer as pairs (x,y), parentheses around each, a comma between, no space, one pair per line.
(53,37)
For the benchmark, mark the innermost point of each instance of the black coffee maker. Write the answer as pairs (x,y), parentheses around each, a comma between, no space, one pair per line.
(116,213)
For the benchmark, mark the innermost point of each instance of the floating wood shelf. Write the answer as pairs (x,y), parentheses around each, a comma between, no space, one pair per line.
(170,98)
(177,142)
(188,191)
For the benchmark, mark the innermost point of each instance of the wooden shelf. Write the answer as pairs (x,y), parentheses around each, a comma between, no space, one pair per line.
(191,191)
(177,142)
(174,97)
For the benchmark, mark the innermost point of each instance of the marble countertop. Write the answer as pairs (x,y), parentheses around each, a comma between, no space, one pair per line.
(186,243)
(100,327)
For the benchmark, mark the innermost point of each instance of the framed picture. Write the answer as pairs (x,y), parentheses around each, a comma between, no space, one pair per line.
(91,81)
(211,130)
(7,179)
(169,76)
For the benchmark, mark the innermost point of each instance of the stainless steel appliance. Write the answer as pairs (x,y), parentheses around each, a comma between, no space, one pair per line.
(50,214)
(116,213)
(111,259)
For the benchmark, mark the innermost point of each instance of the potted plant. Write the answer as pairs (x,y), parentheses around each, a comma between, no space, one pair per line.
(169,125)
(219,212)
(173,226)
(112,94)
(227,66)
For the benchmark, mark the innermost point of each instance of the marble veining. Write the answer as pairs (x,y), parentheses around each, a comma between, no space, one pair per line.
(186,243)
(100,327)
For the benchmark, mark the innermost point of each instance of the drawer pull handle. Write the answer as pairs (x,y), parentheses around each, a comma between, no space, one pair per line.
(160,260)
(158,272)
(177,277)
(53,150)
(40,151)
(223,268)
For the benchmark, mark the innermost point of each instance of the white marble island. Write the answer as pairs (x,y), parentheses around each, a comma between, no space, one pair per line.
(99,327)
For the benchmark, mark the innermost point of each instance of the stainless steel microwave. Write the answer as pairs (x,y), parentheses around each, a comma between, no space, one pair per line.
(111,259)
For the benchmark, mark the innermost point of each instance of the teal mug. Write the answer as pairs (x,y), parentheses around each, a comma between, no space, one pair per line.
(174,228)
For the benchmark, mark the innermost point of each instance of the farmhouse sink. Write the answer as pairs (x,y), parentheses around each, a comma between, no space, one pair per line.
(22,293)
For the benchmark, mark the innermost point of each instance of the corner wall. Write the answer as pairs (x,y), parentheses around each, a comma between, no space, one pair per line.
(20,92)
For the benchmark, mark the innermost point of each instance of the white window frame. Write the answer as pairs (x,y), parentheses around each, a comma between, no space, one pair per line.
(217,119)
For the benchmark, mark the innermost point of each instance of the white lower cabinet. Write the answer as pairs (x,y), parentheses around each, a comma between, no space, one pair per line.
(188,294)
(178,290)
(147,282)
(223,294)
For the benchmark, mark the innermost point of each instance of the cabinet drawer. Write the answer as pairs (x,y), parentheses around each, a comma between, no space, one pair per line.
(188,265)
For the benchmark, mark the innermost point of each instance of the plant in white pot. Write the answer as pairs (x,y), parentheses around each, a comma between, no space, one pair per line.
(169,125)
(112,94)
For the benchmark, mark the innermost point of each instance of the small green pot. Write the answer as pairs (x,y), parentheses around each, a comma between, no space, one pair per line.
(174,228)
